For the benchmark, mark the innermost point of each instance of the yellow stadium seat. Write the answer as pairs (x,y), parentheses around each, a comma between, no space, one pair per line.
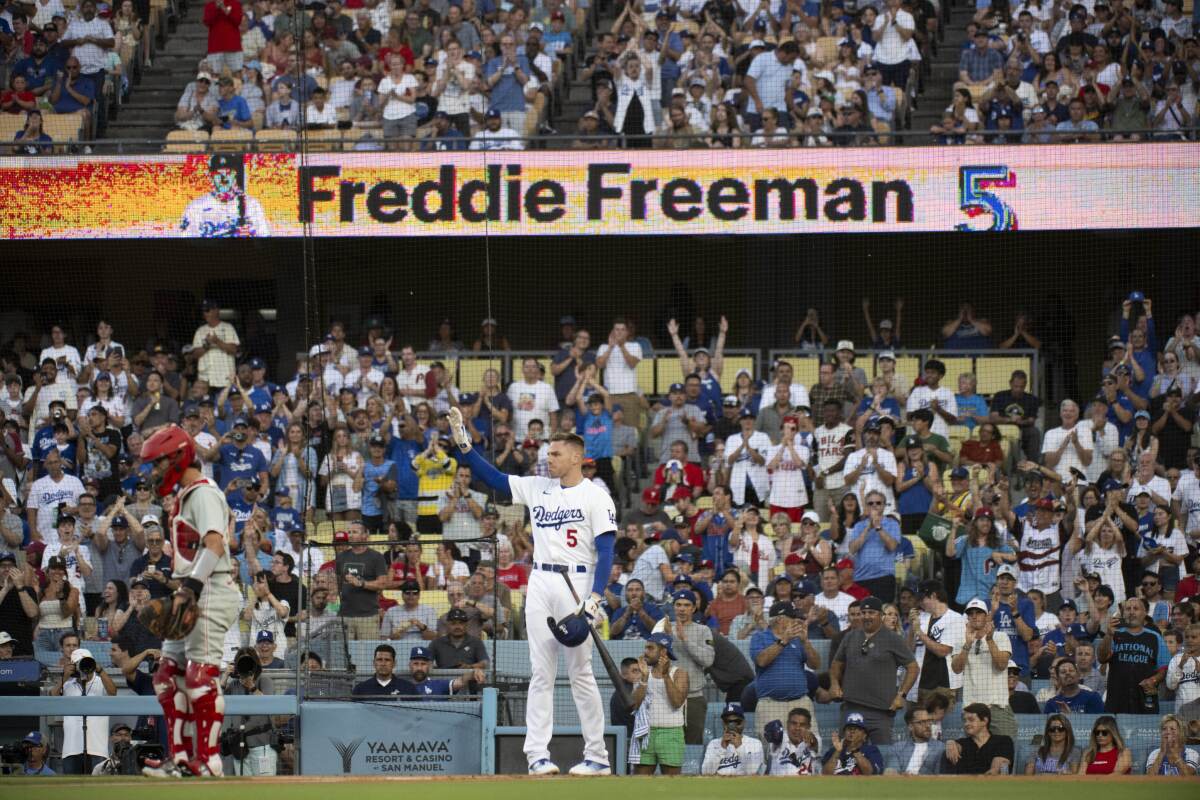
(733,365)
(323,141)
(806,369)
(827,48)
(645,376)
(435,599)
(325,531)
(955,367)
(909,367)
(275,141)
(705,503)
(62,127)
(10,125)
(994,372)
(470,372)
(232,140)
(517,596)
(667,371)
(186,142)
(959,433)
(428,554)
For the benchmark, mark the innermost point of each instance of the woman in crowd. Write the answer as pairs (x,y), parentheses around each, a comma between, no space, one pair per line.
(58,606)
(1172,756)
(293,467)
(981,551)
(914,489)
(1106,753)
(842,517)
(341,474)
(1057,754)
(32,140)
(110,613)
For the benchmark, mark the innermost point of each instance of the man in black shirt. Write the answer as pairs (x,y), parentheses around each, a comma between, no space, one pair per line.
(383,682)
(362,574)
(1137,662)
(457,648)
(979,752)
(1173,423)
(1020,700)
(1017,407)
(285,587)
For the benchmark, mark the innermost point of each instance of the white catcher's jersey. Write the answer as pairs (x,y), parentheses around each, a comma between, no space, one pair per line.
(566,521)
(200,508)
(210,218)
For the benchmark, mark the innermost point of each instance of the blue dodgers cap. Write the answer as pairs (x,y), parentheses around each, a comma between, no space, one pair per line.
(664,641)
(262,408)
(257,363)
(365,351)
(283,491)
(684,594)
(419,653)
(669,536)
(675,387)
(493,113)
(241,422)
(855,719)
(571,631)
(34,738)
(733,710)
(265,636)
(960,473)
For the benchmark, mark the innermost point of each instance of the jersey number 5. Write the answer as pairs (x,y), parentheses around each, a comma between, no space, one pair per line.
(572,540)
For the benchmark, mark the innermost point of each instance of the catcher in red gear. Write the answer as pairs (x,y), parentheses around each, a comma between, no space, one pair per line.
(194,621)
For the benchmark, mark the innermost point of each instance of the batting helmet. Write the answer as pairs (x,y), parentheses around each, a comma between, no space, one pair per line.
(173,444)
(572,630)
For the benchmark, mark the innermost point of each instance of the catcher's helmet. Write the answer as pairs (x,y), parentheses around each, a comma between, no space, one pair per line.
(572,630)
(174,444)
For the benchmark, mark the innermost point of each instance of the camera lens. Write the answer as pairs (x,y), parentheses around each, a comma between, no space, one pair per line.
(87,665)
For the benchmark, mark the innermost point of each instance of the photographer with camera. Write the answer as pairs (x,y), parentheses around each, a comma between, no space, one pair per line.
(733,753)
(246,740)
(35,752)
(267,614)
(85,743)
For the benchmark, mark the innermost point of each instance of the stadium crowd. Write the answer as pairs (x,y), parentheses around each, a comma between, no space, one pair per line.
(484,75)
(887,546)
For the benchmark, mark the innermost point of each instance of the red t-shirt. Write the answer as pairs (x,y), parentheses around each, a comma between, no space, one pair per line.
(404,51)
(223,33)
(514,576)
(1105,763)
(402,571)
(856,591)
(1188,587)
(693,477)
(8,96)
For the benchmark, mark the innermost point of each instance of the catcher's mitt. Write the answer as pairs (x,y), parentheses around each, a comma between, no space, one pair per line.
(163,619)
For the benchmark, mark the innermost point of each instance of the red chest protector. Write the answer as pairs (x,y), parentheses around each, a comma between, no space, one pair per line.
(184,538)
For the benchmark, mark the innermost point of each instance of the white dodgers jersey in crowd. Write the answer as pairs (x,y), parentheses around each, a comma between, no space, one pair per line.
(209,217)
(565,521)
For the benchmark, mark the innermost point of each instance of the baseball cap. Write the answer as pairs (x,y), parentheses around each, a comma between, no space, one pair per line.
(119,726)
(191,410)
(1013,665)
(792,558)
(983,511)
(7,556)
(283,491)
(1141,413)
(456,615)
(1116,342)
(887,354)
(151,519)
(733,710)
(960,474)
(139,582)
(871,604)
(81,654)
(746,413)
(56,562)
(669,536)
(419,653)
(1007,569)
(492,114)
(811,516)
(257,363)
(340,536)
(855,719)
(976,605)
(664,641)
(684,594)
(675,387)
(410,586)
(377,441)
(650,495)
(845,344)
(34,738)
(783,609)
(845,563)
(1068,604)
(730,401)
(1044,503)
(6,638)
(264,636)
(885,324)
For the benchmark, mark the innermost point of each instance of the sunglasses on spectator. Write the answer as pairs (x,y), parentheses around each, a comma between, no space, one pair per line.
(1102,732)
(1057,729)
(1149,584)
(874,503)
(411,591)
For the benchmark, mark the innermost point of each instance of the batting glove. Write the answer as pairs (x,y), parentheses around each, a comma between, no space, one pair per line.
(591,607)
(458,431)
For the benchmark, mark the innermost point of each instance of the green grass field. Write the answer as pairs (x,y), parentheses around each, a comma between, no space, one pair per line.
(689,788)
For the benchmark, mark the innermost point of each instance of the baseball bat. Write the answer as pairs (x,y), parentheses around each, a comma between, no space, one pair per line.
(610,666)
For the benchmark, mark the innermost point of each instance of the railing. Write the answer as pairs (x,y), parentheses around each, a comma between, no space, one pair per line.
(371,139)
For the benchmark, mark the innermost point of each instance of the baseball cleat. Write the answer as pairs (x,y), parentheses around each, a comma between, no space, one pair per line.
(587,767)
(458,430)
(543,766)
(162,768)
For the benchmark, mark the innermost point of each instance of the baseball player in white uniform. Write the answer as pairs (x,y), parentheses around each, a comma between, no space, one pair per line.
(574,526)
(186,681)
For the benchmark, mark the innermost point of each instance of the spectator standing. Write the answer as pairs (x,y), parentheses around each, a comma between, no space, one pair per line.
(679,421)
(1183,673)
(83,677)
(214,346)
(658,725)
(781,654)
(935,633)
(637,618)
(693,644)
(48,493)
(892,30)
(983,662)
(1137,659)
(223,18)
(362,574)
(872,542)
(862,670)
(90,39)
(18,606)
(980,752)
(618,358)
(532,398)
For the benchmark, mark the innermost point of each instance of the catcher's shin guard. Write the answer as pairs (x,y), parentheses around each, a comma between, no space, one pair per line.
(170,690)
(208,712)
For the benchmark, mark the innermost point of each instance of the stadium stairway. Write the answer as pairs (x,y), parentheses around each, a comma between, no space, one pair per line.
(939,83)
(149,113)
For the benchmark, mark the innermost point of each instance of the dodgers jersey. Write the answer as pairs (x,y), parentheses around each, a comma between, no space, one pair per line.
(209,217)
(565,521)
(200,508)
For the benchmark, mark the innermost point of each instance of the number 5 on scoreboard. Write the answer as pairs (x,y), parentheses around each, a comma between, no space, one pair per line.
(974,199)
(572,538)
